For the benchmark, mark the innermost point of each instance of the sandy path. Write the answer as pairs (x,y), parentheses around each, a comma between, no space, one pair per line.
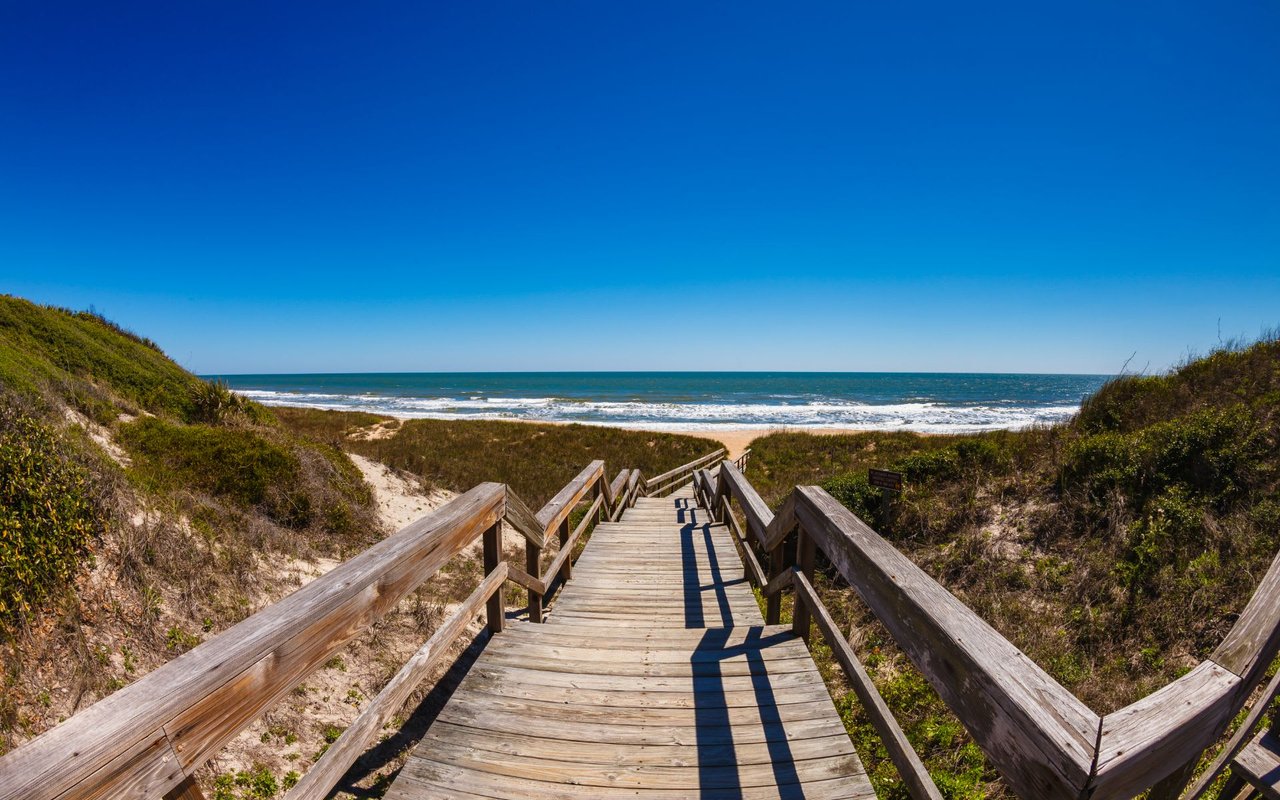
(737,440)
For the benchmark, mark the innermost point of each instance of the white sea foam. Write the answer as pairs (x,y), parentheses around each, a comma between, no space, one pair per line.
(822,413)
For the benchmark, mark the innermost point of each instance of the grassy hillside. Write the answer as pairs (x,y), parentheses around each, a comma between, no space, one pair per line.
(1114,549)
(138,507)
(534,459)
(54,356)
(143,510)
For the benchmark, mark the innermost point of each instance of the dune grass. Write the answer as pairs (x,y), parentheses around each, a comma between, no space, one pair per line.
(89,362)
(1115,549)
(534,459)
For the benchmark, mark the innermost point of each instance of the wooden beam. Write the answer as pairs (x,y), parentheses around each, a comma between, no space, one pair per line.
(187,790)
(752,566)
(535,591)
(566,550)
(800,622)
(657,479)
(524,521)
(910,768)
(524,579)
(776,584)
(1147,740)
(204,697)
(1253,641)
(496,607)
(319,781)
(559,507)
(1238,740)
(1040,737)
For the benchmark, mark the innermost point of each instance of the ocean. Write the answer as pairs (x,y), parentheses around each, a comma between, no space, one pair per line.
(925,402)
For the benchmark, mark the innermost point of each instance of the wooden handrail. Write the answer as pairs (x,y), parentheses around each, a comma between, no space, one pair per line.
(1044,741)
(904,757)
(559,507)
(698,462)
(149,737)
(1040,736)
(319,781)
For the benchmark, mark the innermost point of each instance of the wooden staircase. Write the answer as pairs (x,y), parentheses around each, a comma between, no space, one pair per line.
(654,676)
(651,672)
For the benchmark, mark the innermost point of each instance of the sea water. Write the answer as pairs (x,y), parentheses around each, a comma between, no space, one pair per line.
(925,402)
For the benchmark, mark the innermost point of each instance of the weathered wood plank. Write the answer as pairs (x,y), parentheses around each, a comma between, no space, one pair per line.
(1253,641)
(559,507)
(696,463)
(1259,764)
(1149,739)
(202,698)
(495,605)
(525,521)
(562,558)
(910,768)
(1237,742)
(187,790)
(325,773)
(1038,734)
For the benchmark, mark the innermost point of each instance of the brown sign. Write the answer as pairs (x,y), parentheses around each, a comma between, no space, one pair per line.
(884,479)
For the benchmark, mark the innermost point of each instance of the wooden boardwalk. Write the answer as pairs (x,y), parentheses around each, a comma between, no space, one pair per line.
(654,677)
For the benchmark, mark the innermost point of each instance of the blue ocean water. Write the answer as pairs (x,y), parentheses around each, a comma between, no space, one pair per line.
(927,402)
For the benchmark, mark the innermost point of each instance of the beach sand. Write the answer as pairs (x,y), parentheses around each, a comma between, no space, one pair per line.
(736,440)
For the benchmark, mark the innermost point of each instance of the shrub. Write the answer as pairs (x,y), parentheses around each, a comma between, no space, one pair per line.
(68,356)
(855,494)
(238,465)
(937,465)
(1212,453)
(297,484)
(49,516)
(213,403)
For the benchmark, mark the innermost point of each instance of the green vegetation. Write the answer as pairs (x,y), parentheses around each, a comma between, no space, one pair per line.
(327,426)
(50,514)
(178,486)
(256,783)
(294,483)
(1115,549)
(95,366)
(536,460)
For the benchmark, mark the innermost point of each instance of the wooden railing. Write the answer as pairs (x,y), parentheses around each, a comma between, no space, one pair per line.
(147,739)
(1045,742)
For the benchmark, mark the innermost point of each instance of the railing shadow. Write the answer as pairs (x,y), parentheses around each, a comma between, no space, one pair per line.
(719,773)
(415,727)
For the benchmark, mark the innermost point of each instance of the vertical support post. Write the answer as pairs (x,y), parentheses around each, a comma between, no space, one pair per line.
(773,605)
(495,608)
(533,566)
(886,511)
(804,560)
(566,569)
(1171,787)
(187,790)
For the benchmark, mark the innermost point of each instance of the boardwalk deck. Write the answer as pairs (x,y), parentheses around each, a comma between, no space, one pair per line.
(654,677)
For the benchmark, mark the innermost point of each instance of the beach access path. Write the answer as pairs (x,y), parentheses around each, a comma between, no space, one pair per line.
(654,677)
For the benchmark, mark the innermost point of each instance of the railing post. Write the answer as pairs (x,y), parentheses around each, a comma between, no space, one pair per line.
(495,607)
(533,566)
(566,569)
(804,561)
(187,790)
(773,604)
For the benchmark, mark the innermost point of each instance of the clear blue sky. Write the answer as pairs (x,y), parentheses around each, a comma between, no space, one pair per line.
(608,185)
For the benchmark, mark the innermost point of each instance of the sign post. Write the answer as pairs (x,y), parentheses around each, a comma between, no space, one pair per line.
(889,484)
